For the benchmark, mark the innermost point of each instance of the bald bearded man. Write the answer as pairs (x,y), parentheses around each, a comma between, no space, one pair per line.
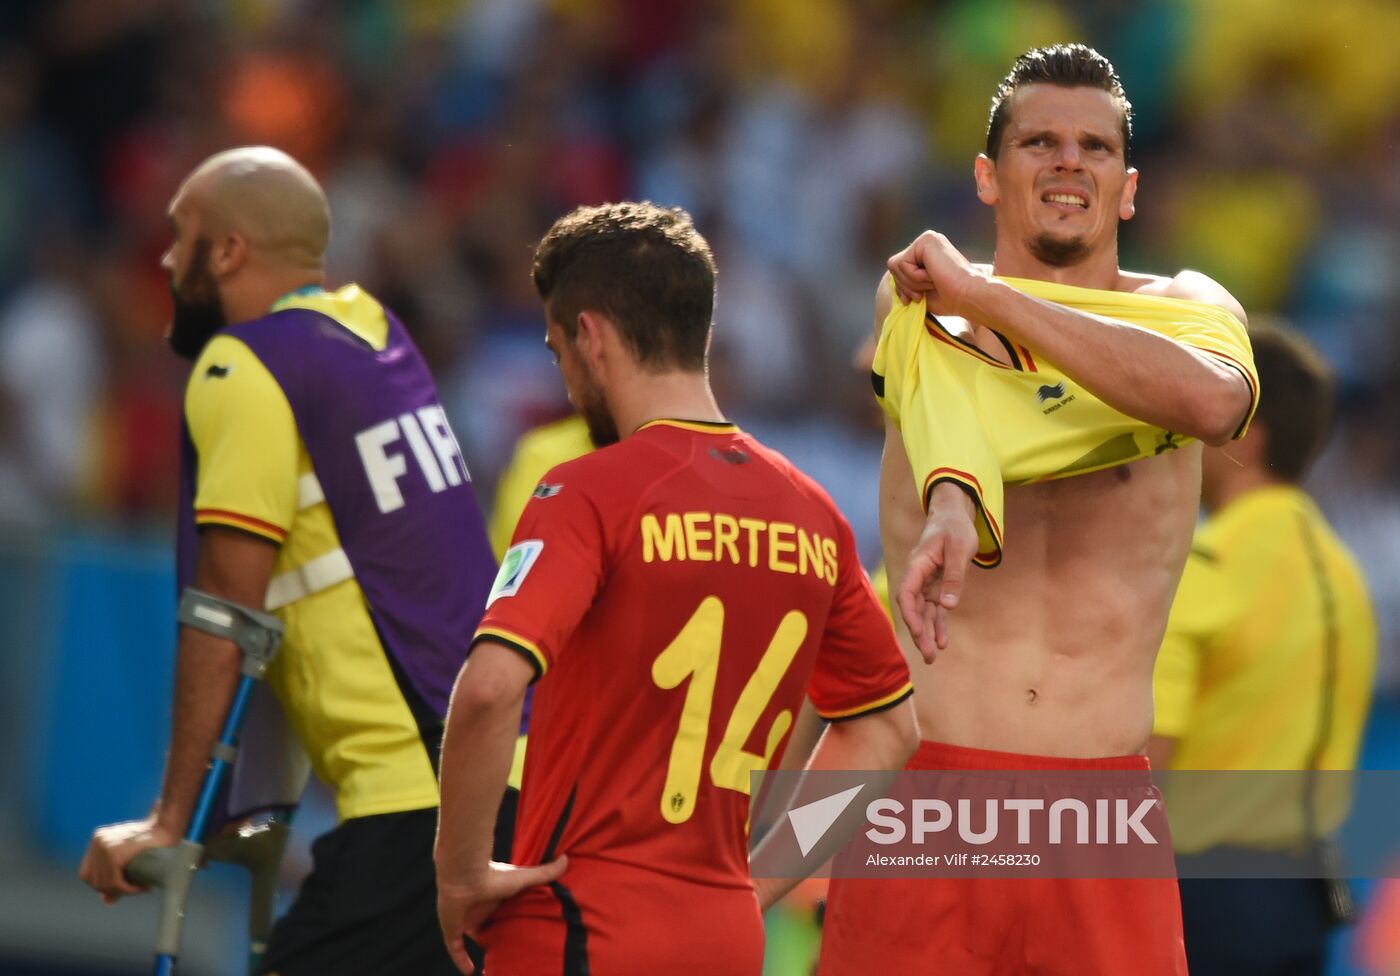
(320,481)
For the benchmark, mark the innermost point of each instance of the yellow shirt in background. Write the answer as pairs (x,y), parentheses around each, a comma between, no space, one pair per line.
(1267,664)
(539,450)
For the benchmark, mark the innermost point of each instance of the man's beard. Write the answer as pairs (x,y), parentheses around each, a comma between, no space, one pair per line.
(593,406)
(199,313)
(1058,252)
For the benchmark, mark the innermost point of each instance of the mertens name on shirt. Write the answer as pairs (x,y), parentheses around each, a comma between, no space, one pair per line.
(780,547)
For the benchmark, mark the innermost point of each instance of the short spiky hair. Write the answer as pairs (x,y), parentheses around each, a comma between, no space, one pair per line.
(1065,65)
(645,267)
(1297,398)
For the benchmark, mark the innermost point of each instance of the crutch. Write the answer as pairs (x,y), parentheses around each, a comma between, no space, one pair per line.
(257,847)
(258,635)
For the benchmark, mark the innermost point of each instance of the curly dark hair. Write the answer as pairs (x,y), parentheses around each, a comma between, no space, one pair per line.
(646,267)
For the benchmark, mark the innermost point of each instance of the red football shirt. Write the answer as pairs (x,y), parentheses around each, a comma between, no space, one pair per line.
(679,592)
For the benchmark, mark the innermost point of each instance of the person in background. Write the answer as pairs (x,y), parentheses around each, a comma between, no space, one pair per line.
(320,481)
(538,450)
(1267,664)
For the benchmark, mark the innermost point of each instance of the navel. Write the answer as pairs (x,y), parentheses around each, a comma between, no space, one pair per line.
(1031,696)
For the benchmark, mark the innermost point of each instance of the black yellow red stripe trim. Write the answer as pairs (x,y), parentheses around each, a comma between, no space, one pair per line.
(871,707)
(970,482)
(1031,367)
(940,332)
(699,426)
(1011,352)
(521,645)
(1249,378)
(219,516)
(936,329)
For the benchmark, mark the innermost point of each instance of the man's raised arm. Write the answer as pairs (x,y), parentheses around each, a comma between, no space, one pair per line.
(1136,371)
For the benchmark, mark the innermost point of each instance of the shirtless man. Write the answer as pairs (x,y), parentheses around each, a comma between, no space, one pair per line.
(1046,661)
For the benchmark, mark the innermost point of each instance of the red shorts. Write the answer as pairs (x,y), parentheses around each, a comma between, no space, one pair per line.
(983,926)
(604,919)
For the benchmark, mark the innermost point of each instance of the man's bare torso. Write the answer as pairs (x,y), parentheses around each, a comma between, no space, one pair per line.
(1051,653)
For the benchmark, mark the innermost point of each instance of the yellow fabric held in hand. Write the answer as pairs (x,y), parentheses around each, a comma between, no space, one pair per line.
(968,418)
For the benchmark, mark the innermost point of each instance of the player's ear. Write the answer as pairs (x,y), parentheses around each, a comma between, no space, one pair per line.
(588,338)
(1127,204)
(984,171)
(228,253)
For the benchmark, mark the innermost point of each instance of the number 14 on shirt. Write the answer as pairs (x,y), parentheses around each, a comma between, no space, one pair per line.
(694,653)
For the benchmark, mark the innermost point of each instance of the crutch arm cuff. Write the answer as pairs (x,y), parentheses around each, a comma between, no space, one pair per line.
(257,633)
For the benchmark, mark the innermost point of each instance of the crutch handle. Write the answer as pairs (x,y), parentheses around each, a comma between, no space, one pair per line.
(171,869)
(258,636)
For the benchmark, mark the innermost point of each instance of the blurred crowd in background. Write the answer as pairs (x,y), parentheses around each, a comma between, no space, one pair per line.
(810,139)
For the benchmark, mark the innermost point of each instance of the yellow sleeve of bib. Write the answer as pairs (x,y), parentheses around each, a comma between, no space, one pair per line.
(246,442)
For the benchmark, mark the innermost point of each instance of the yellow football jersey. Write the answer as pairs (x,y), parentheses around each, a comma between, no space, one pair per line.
(966,417)
(1267,664)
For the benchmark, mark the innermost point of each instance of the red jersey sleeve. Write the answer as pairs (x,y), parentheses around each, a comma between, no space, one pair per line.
(549,576)
(860,668)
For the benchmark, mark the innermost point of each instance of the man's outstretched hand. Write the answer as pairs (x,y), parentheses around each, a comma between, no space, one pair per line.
(464,908)
(111,850)
(933,580)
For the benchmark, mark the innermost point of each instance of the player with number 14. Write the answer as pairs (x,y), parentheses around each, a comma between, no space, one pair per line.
(676,594)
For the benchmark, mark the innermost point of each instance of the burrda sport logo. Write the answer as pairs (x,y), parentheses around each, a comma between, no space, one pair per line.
(1056,393)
